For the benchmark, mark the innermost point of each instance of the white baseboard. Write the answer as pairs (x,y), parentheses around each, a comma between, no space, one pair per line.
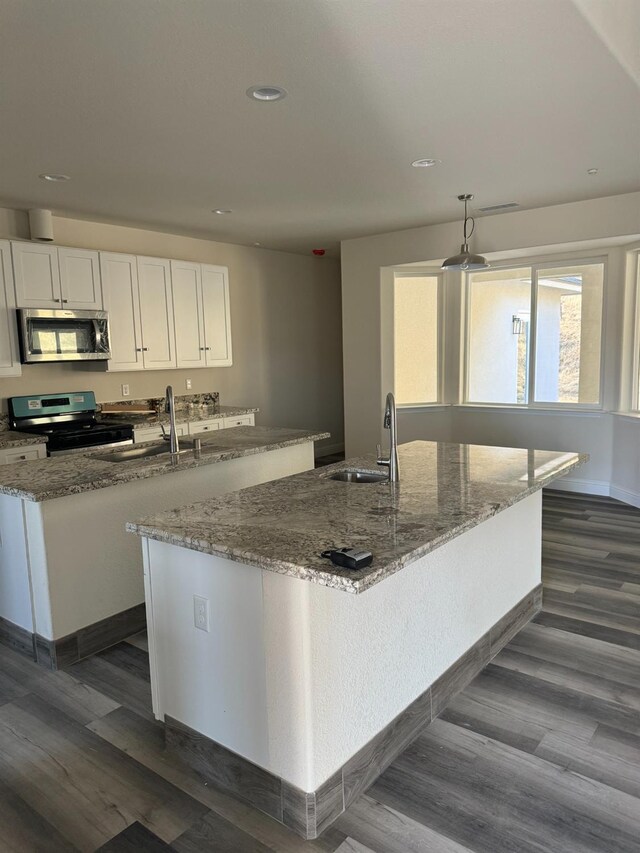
(624,495)
(597,487)
(328,449)
(587,487)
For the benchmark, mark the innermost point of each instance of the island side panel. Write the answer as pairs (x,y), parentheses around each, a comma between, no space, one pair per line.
(212,680)
(87,567)
(367,657)
(15,593)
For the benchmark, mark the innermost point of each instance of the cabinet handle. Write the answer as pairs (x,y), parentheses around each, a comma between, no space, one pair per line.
(138,349)
(64,300)
(202,349)
(207,348)
(22,457)
(145,349)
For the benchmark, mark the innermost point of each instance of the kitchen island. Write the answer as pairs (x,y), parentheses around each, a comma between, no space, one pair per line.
(71,579)
(294,683)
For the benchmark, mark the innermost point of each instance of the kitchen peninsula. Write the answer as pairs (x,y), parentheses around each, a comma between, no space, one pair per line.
(294,683)
(71,580)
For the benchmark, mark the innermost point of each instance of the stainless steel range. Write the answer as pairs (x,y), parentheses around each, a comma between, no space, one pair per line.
(68,420)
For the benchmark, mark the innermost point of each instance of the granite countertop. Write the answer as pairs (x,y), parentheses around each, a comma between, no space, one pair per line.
(191,414)
(282,526)
(58,476)
(11,438)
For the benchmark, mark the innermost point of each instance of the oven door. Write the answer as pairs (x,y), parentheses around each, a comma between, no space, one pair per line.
(63,335)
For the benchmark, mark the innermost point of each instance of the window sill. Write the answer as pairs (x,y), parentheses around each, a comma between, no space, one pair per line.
(419,407)
(632,416)
(532,410)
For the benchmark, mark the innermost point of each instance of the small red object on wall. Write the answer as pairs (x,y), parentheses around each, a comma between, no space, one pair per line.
(319,252)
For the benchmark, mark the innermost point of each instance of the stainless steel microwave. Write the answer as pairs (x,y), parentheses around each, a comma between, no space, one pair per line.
(65,335)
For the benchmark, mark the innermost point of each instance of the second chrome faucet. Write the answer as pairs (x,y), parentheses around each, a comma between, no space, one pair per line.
(390,423)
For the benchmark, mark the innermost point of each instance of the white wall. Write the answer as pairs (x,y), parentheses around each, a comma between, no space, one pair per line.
(286,328)
(582,229)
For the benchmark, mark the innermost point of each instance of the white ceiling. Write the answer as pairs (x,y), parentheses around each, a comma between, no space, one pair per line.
(143,103)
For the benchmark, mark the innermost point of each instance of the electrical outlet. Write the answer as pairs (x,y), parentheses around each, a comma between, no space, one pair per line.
(201,612)
(187,384)
(125,390)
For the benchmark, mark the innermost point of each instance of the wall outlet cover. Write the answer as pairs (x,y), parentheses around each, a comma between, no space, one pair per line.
(125,390)
(201,612)
(187,384)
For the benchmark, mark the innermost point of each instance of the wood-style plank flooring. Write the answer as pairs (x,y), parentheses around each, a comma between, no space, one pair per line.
(540,753)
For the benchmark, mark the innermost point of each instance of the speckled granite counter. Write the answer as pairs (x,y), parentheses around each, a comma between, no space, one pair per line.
(12,438)
(66,475)
(282,526)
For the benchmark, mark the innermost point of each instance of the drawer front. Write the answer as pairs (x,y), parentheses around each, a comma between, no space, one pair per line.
(155,433)
(205,426)
(241,420)
(23,454)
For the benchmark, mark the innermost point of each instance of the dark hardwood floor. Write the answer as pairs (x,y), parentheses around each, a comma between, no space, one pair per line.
(540,753)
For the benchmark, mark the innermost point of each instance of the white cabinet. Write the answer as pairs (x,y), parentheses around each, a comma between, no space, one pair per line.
(217,315)
(155,432)
(186,282)
(80,285)
(211,425)
(23,454)
(51,277)
(240,420)
(156,314)
(120,287)
(9,356)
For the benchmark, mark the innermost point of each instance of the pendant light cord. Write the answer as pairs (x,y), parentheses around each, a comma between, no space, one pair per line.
(467,219)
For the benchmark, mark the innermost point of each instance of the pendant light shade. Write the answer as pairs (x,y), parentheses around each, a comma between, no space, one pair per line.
(466,260)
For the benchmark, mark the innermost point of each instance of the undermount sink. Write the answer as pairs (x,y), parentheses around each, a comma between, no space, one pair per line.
(353,476)
(132,453)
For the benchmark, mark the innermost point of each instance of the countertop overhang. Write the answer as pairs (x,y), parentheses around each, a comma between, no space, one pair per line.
(56,477)
(444,490)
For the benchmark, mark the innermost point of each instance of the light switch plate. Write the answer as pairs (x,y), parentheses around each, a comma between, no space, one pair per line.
(187,384)
(201,612)
(125,390)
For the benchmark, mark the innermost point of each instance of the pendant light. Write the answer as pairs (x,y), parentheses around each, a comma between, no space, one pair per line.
(466,260)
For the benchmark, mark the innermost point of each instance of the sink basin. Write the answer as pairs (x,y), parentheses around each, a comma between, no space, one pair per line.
(360,476)
(132,453)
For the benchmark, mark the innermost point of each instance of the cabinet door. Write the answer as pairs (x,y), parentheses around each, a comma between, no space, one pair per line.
(37,276)
(120,288)
(80,279)
(9,358)
(186,284)
(156,313)
(217,315)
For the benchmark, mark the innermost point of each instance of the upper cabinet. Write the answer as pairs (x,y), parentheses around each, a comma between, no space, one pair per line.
(202,314)
(156,313)
(186,281)
(217,316)
(52,277)
(121,301)
(9,356)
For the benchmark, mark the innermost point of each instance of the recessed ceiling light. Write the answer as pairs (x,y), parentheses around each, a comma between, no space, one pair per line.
(425,163)
(221,211)
(257,244)
(266,93)
(54,178)
(592,171)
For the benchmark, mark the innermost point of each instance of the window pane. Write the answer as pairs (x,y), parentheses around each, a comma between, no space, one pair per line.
(568,330)
(416,338)
(499,305)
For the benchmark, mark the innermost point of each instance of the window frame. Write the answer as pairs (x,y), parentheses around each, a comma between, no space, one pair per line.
(535,266)
(635,372)
(418,272)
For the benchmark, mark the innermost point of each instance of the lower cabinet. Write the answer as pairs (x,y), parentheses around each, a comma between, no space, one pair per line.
(153,433)
(23,454)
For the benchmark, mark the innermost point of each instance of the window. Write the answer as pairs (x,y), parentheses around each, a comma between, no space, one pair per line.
(534,335)
(416,334)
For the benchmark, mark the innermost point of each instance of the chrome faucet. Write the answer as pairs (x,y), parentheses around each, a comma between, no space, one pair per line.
(390,423)
(170,408)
